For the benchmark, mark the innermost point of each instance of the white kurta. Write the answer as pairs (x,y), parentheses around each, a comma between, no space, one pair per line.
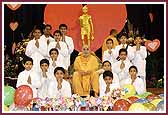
(70,45)
(43,90)
(138,84)
(115,80)
(35,53)
(109,57)
(63,52)
(122,73)
(112,87)
(59,63)
(139,61)
(129,51)
(35,80)
(44,46)
(53,91)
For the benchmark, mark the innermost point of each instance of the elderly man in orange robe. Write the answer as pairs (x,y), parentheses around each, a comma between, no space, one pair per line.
(85,75)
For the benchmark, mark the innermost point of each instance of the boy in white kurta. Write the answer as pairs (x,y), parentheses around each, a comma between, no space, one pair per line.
(137,82)
(28,76)
(45,39)
(68,41)
(60,46)
(45,76)
(34,50)
(123,44)
(107,67)
(139,60)
(109,85)
(121,67)
(54,61)
(58,86)
(108,54)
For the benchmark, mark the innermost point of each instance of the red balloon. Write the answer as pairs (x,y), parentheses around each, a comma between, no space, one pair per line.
(132,99)
(23,95)
(152,97)
(121,105)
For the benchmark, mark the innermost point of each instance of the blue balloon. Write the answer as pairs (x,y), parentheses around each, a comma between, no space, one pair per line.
(142,100)
(161,95)
(160,106)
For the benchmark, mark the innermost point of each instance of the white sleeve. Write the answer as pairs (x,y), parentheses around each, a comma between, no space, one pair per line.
(115,78)
(30,48)
(143,52)
(64,49)
(140,88)
(102,90)
(106,56)
(116,68)
(51,89)
(42,48)
(130,52)
(70,45)
(116,52)
(36,80)
(20,81)
(67,91)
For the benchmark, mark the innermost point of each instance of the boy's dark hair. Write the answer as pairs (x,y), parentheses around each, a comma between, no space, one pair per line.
(112,31)
(122,50)
(106,62)
(57,31)
(59,68)
(63,25)
(44,61)
(26,58)
(36,27)
(53,49)
(138,35)
(108,73)
(123,34)
(109,40)
(48,25)
(134,68)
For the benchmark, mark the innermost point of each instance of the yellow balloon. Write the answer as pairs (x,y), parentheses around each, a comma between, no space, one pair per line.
(129,90)
(150,106)
(156,101)
(6,108)
(137,107)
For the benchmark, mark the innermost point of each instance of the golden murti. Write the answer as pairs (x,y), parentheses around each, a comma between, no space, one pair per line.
(86,26)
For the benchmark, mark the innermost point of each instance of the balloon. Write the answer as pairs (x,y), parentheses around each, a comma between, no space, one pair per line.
(129,90)
(161,95)
(121,105)
(137,107)
(156,101)
(144,95)
(152,96)
(6,108)
(23,95)
(160,106)
(142,100)
(150,106)
(9,93)
(132,99)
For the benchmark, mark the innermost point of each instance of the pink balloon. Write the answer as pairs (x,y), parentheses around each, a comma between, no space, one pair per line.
(23,95)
